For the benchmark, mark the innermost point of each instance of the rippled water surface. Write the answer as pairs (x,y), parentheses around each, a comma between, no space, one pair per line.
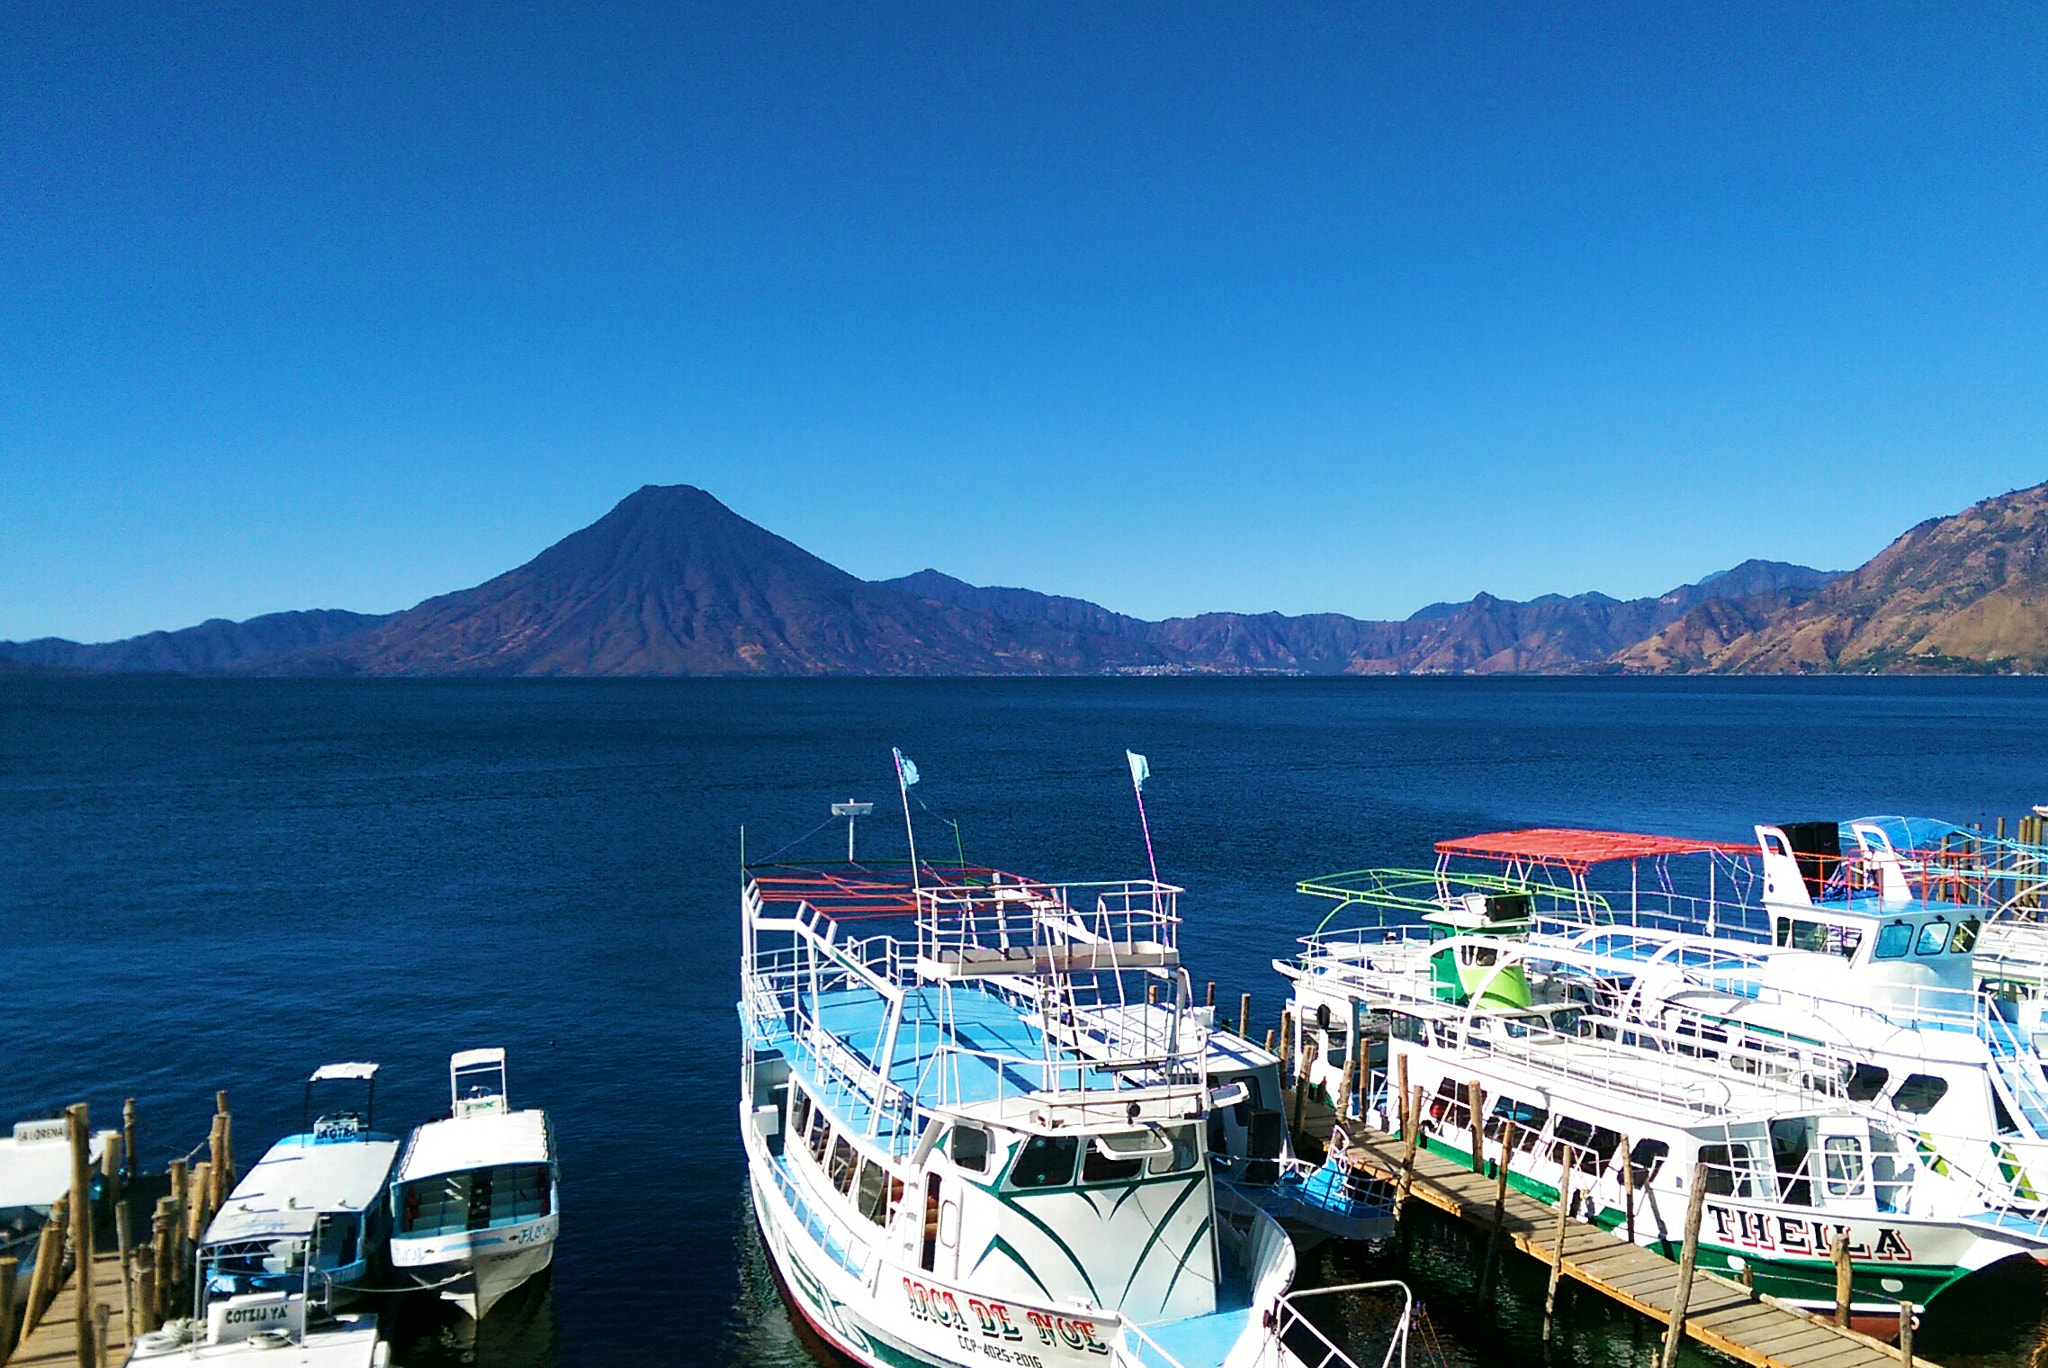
(220,884)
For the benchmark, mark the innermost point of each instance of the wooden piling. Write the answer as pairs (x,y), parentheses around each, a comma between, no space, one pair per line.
(1838,1250)
(1301,1081)
(42,1284)
(1401,1097)
(197,1213)
(1564,1207)
(1688,1260)
(1209,998)
(128,1139)
(1905,1334)
(101,1313)
(216,1154)
(1411,1134)
(1345,1087)
(1151,995)
(164,1259)
(1244,1015)
(1474,1096)
(1628,1186)
(8,1269)
(124,1241)
(1269,1045)
(1500,1208)
(77,1122)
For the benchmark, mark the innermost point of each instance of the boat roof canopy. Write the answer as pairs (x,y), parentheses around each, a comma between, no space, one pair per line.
(474,1142)
(1579,850)
(364,1072)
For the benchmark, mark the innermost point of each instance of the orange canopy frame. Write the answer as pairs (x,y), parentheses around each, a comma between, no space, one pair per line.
(1578,851)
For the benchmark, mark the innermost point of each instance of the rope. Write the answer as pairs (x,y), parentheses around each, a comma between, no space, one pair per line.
(771,859)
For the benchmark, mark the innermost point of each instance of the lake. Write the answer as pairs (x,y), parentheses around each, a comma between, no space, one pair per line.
(214,884)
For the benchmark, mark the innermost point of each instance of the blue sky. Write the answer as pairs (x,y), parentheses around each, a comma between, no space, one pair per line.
(1175,308)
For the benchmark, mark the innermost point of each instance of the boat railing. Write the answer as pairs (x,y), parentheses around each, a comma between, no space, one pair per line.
(1292,1325)
(1083,1090)
(1657,910)
(1028,927)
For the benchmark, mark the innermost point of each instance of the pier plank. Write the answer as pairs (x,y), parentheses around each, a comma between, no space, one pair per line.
(1721,1313)
(54,1341)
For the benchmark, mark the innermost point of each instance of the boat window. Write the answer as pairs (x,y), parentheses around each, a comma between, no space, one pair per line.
(1601,1152)
(336,1238)
(1262,1139)
(1409,1028)
(1571,1140)
(1933,938)
(821,1138)
(476,1200)
(1866,1082)
(872,1197)
(1891,1177)
(1529,1122)
(1097,1167)
(1727,1170)
(1894,940)
(1646,1158)
(1965,937)
(799,1110)
(2006,1125)
(1851,937)
(969,1148)
(1918,1094)
(1448,1106)
(1844,1160)
(1045,1161)
(840,1174)
(1182,1156)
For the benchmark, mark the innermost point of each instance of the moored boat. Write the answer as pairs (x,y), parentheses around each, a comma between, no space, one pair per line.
(474,1199)
(317,1199)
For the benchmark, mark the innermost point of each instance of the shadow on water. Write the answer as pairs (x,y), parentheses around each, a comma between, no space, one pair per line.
(427,1332)
(764,1330)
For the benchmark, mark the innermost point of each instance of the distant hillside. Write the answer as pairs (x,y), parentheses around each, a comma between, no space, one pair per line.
(1966,592)
(672,582)
(216,644)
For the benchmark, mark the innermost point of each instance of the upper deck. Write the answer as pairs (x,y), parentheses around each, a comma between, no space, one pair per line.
(972,991)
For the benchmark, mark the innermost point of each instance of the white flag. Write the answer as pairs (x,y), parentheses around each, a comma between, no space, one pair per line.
(1140,771)
(907,770)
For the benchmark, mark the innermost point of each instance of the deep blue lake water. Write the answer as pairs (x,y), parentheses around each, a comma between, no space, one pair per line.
(221,884)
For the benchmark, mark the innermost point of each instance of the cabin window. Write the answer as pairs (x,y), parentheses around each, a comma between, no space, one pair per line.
(1843,1159)
(1851,938)
(476,1200)
(799,1110)
(2006,1125)
(1408,1028)
(1448,1106)
(969,1148)
(1045,1161)
(1891,1178)
(1572,1144)
(1965,938)
(1866,1082)
(1894,941)
(1646,1158)
(1933,938)
(336,1238)
(1529,1122)
(1806,935)
(872,1197)
(1097,1167)
(1181,1158)
(821,1138)
(1918,1094)
(1727,1170)
(840,1174)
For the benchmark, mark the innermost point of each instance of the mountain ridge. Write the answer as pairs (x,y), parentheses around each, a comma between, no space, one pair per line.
(672,582)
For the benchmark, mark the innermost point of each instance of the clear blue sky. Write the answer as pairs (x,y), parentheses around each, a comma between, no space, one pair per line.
(1172,307)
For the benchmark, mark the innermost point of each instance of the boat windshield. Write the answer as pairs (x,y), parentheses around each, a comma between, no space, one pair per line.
(477,1200)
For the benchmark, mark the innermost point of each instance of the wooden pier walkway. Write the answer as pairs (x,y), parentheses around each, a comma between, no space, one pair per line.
(54,1341)
(1721,1313)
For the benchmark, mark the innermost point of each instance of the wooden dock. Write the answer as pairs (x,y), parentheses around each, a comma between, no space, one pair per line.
(54,1341)
(1721,1313)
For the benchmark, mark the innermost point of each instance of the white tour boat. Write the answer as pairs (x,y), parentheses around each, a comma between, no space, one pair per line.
(35,1170)
(976,1110)
(277,1327)
(321,1191)
(473,1203)
(1628,1054)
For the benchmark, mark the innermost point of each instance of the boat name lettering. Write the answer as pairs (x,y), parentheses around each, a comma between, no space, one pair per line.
(255,1315)
(1796,1235)
(996,1321)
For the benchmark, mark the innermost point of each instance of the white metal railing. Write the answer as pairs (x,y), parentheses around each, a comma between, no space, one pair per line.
(1289,1319)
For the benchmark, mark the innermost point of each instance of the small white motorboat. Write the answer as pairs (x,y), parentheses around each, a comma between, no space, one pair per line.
(473,1204)
(319,1191)
(35,1169)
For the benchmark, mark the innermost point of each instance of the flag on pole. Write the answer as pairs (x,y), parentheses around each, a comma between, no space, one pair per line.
(1140,770)
(905,769)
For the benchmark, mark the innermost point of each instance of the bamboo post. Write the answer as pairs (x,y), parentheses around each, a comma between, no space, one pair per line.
(197,1215)
(1688,1258)
(1209,998)
(1410,1136)
(216,1154)
(1487,1270)
(1838,1250)
(1564,1207)
(1474,1096)
(101,1313)
(124,1238)
(1151,995)
(1905,1334)
(7,1278)
(1269,1047)
(49,1263)
(164,1259)
(77,1122)
(1401,1103)
(1286,1050)
(128,1139)
(1244,1014)
(1345,1087)
(1308,1062)
(1628,1185)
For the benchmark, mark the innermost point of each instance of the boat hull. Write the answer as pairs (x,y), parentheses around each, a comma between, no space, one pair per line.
(477,1269)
